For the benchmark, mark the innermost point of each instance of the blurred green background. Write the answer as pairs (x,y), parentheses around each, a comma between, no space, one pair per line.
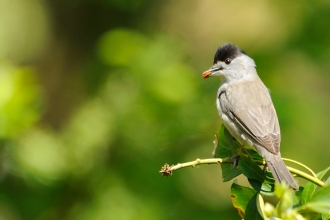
(95,96)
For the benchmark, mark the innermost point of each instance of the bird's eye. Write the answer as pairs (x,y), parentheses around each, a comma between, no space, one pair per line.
(227,61)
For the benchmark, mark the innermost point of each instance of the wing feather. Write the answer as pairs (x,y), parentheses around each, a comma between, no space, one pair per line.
(250,105)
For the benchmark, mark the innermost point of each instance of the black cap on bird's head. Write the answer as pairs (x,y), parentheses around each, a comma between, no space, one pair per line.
(223,57)
(228,50)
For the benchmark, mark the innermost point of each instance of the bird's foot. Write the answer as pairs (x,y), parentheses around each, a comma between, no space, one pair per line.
(235,160)
(265,169)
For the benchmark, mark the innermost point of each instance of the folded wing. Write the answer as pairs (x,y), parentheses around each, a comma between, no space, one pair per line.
(250,105)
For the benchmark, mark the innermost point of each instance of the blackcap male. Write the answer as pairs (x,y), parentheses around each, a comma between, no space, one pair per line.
(246,108)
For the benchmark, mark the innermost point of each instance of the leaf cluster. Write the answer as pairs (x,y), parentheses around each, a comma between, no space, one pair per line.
(308,202)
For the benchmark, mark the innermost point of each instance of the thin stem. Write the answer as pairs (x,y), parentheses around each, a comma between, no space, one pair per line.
(202,161)
(167,170)
(300,164)
(306,176)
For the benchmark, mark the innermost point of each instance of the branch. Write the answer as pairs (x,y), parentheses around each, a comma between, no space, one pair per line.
(167,170)
(302,165)
(307,177)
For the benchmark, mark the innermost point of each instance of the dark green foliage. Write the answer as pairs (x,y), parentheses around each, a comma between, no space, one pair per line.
(252,212)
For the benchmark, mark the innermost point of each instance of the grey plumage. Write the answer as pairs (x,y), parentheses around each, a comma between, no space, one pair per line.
(245,107)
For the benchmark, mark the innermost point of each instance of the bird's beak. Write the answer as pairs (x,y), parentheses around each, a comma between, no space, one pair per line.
(207,74)
(214,69)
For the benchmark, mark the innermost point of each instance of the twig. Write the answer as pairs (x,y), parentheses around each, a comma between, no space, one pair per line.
(302,165)
(307,177)
(167,170)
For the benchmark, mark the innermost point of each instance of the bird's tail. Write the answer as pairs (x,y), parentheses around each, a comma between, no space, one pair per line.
(279,170)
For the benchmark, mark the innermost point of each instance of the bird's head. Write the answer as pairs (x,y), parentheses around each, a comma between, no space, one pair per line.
(231,63)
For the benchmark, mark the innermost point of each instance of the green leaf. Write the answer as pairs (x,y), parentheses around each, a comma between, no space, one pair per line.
(256,184)
(297,197)
(325,216)
(261,206)
(320,202)
(227,146)
(263,188)
(310,187)
(252,209)
(250,169)
(254,154)
(240,197)
(229,172)
(233,143)
(319,207)
(286,195)
(269,179)
(328,181)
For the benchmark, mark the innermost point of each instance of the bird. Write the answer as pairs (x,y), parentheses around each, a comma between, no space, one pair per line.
(246,109)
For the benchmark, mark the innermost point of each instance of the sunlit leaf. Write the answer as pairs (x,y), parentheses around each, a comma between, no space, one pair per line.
(320,202)
(261,206)
(328,181)
(240,197)
(319,207)
(325,216)
(310,187)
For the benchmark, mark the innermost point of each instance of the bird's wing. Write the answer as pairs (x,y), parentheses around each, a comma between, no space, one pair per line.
(250,106)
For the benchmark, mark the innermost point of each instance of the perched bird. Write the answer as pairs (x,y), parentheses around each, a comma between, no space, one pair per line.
(246,108)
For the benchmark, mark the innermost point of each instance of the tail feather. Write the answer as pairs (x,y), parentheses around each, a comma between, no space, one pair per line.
(279,170)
